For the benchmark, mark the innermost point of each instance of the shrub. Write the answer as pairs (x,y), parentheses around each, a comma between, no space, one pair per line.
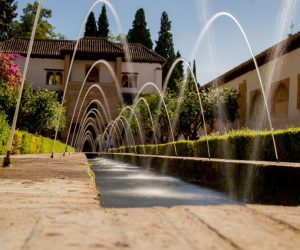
(4,132)
(252,145)
(17,143)
(242,144)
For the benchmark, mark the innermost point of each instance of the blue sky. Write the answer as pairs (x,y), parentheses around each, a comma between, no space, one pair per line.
(222,49)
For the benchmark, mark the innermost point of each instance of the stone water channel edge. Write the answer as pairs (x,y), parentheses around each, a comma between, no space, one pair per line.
(53,204)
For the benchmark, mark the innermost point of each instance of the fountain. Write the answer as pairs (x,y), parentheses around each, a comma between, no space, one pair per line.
(7,161)
(92,120)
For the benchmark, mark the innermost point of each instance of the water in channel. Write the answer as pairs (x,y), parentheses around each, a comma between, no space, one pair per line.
(123,185)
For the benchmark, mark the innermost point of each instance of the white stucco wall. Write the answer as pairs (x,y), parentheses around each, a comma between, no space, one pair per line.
(289,68)
(147,72)
(78,71)
(36,72)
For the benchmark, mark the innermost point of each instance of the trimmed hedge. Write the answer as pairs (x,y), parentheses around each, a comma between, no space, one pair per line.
(242,144)
(26,143)
(4,132)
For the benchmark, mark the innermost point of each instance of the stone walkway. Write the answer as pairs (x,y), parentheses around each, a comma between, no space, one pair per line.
(52,204)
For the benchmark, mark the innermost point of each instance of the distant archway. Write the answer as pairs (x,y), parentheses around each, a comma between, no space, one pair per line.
(280,101)
(257,104)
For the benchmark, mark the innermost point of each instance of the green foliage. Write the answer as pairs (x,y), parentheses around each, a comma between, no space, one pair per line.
(139,32)
(39,111)
(45,30)
(26,143)
(17,143)
(252,145)
(103,24)
(7,14)
(242,144)
(165,47)
(91,26)
(4,132)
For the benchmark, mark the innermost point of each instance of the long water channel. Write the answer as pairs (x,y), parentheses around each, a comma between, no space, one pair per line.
(122,185)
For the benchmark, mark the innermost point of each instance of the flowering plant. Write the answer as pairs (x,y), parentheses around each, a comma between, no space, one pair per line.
(9,70)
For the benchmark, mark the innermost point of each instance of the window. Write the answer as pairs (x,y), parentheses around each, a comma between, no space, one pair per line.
(54,77)
(129,80)
(94,74)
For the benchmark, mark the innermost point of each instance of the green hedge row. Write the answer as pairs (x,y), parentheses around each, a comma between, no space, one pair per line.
(26,143)
(242,144)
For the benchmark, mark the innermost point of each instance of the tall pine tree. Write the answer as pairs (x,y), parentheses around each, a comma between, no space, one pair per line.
(90,26)
(165,48)
(179,68)
(139,32)
(103,24)
(7,14)
(194,69)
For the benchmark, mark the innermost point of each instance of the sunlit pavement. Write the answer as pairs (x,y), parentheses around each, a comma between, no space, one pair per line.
(52,204)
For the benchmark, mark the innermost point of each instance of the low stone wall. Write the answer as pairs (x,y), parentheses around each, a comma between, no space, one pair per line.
(252,182)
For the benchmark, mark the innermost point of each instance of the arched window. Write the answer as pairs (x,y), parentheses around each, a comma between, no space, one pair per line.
(257,105)
(129,80)
(54,77)
(125,81)
(280,101)
(94,74)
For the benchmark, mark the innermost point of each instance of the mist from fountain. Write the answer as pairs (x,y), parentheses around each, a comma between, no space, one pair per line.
(182,92)
(82,103)
(7,161)
(115,125)
(117,84)
(151,84)
(271,76)
(83,126)
(131,110)
(142,99)
(125,46)
(200,38)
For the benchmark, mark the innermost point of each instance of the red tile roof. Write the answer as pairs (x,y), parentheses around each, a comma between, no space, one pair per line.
(88,47)
(139,52)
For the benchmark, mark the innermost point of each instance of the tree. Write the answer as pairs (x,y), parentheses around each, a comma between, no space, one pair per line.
(178,73)
(7,14)
(139,32)
(194,69)
(45,30)
(103,24)
(39,111)
(117,38)
(91,26)
(165,47)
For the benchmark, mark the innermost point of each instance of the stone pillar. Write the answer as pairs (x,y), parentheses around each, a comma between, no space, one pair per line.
(118,69)
(66,68)
(242,101)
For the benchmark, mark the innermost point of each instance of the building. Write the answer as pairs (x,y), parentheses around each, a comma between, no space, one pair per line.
(280,67)
(50,62)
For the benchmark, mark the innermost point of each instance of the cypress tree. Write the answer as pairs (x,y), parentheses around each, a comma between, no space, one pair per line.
(179,68)
(194,69)
(103,24)
(165,48)
(139,32)
(90,26)
(7,14)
